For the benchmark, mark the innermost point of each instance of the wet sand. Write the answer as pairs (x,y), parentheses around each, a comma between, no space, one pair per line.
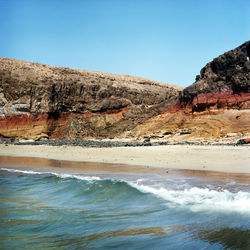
(66,166)
(229,159)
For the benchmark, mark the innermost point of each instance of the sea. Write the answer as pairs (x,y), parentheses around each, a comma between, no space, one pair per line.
(62,210)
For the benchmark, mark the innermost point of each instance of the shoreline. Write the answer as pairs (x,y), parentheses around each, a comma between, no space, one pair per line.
(225,159)
(73,167)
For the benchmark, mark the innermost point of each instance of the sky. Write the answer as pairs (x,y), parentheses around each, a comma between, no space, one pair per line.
(164,40)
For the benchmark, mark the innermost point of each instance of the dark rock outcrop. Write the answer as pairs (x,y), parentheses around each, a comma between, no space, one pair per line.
(222,83)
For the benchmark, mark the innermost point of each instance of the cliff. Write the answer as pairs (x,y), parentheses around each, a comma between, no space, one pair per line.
(216,107)
(222,83)
(39,101)
(43,102)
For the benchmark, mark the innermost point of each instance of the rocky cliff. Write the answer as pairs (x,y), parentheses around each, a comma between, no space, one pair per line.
(39,101)
(215,108)
(222,83)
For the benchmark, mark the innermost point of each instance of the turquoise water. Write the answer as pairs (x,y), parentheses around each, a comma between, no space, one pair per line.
(76,211)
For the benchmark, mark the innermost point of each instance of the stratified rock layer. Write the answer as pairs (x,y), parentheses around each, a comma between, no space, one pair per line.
(215,108)
(40,101)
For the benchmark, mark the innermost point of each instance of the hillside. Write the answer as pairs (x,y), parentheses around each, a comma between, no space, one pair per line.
(216,107)
(39,101)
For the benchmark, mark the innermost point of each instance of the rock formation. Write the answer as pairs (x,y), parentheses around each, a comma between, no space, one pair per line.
(39,102)
(222,83)
(215,108)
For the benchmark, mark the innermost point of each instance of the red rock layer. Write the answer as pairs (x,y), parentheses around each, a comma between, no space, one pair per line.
(221,100)
(213,101)
(48,125)
(216,116)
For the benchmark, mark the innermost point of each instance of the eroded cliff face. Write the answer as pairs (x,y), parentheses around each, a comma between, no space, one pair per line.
(222,83)
(39,101)
(215,108)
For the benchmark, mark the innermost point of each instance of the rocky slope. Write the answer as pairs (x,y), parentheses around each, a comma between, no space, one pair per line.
(215,108)
(222,83)
(39,101)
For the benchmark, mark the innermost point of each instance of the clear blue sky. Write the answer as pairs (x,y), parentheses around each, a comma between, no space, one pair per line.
(165,40)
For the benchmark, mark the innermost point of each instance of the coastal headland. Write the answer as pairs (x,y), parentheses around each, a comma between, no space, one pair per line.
(40,102)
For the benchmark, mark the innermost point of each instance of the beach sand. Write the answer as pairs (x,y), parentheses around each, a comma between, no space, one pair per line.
(216,161)
(231,159)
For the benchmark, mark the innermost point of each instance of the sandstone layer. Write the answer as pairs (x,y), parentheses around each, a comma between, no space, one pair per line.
(38,101)
(215,108)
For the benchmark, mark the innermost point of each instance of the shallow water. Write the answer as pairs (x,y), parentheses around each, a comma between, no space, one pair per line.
(121,211)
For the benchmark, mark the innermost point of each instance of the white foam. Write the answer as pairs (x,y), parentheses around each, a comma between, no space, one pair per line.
(79,177)
(61,175)
(20,171)
(199,199)
(87,178)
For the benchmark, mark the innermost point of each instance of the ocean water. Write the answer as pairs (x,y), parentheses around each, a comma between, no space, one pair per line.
(50,210)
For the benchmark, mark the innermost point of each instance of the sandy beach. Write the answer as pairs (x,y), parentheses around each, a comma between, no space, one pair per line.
(227,159)
(195,187)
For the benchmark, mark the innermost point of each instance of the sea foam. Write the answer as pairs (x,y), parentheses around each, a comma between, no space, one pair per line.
(60,175)
(21,171)
(201,199)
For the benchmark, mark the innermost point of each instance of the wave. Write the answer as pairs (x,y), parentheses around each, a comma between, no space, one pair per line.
(193,198)
(20,171)
(62,175)
(84,178)
(201,199)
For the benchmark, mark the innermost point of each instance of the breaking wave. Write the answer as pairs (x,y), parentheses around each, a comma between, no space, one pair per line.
(193,198)
(201,199)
